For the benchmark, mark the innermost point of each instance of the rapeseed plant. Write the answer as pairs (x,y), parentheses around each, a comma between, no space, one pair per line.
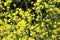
(37,20)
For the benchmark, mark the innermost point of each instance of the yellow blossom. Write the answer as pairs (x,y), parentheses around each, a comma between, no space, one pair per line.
(22,23)
(30,38)
(38,0)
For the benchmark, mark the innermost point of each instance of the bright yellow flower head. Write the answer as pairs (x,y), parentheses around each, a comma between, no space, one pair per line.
(30,38)
(38,0)
(22,23)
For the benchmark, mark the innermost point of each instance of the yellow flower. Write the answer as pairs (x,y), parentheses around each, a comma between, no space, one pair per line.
(16,8)
(9,1)
(42,24)
(58,29)
(24,38)
(58,22)
(8,7)
(42,35)
(38,0)
(29,18)
(59,38)
(20,39)
(14,5)
(38,29)
(38,8)
(55,31)
(55,22)
(1,6)
(31,2)
(56,0)
(46,5)
(1,22)
(50,2)
(52,6)
(51,9)
(19,32)
(26,13)
(21,12)
(5,4)
(10,39)
(4,38)
(7,26)
(56,9)
(53,36)
(22,23)
(1,28)
(32,33)
(32,27)
(55,26)
(30,38)
(48,20)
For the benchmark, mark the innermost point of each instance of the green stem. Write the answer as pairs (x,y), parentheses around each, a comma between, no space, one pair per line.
(26,4)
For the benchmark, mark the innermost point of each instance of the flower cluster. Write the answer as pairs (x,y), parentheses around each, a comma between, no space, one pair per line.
(40,22)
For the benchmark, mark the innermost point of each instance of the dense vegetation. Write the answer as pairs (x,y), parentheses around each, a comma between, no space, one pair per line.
(29,20)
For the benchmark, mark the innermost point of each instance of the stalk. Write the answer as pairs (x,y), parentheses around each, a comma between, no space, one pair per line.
(26,4)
